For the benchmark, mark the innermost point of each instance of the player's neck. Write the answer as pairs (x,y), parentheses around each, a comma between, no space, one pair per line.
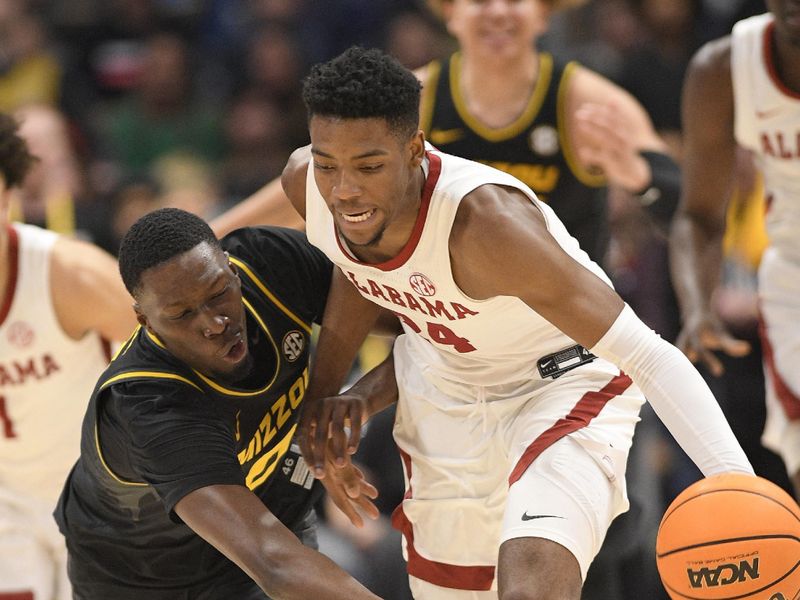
(786,57)
(497,94)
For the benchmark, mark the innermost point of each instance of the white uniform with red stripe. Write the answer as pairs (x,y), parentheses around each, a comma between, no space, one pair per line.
(768,123)
(46,379)
(474,411)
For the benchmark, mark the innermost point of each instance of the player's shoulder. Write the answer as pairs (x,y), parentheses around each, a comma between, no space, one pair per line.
(713,57)
(293,177)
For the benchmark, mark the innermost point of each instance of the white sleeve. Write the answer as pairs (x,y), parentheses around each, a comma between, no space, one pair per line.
(676,391)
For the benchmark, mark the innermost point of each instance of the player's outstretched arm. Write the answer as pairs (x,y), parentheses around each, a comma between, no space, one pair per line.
(612,131)
(268,206)
(501,245)
(88,293)
(236,522)
(699,224)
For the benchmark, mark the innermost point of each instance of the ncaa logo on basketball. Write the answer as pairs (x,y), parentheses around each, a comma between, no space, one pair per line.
(723,574)
(293,345)
(422,285)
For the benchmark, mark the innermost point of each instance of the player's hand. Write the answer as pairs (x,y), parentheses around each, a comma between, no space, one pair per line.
(331,428)
(605,142)
(703,334)
(350,491)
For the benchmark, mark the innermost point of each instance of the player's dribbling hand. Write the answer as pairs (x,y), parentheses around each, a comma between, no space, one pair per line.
(350,491)
(330,428)
(701,335)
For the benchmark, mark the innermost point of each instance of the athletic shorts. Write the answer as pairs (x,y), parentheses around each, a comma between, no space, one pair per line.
(484,465)
(779,295)
(33,556)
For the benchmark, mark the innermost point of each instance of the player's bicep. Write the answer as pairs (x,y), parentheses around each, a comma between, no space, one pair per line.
(502,246)
(233,520)
(83,276)
(709,143)
(293,178)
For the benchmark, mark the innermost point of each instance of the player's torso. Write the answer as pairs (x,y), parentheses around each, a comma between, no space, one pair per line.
(484,342)
(46,378)
(261,419)
(767,121)
(535,148)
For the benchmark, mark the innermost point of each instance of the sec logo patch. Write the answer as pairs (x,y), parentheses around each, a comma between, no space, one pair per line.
(422,285)
(293,345)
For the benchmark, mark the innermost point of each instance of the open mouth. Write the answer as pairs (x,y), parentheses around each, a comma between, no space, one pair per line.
(357,217)
(236,350)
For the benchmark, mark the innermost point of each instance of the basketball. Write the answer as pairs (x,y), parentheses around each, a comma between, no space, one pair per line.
(730,536)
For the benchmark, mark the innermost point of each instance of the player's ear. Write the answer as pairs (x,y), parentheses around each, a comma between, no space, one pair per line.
(142,320)
(417,148)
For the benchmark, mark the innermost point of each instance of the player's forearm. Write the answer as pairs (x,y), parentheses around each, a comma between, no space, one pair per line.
(348,318)
(677,392)
(378,387)
(695,263)
(301,573)
(268,206)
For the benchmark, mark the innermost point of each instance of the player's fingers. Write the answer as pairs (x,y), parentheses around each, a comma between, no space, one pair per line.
(713,364)
(308,425)
(338,436)
(320,440)
(356,416)
(734,347)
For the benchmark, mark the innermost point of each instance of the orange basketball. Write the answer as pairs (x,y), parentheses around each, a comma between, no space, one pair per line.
(730,537)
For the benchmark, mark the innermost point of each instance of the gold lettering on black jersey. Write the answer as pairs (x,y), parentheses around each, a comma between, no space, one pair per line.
(540,178)
(274,420)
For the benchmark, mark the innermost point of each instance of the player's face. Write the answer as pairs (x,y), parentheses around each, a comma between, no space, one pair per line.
(368,177)
(787,19)
(193,304)
(496,28)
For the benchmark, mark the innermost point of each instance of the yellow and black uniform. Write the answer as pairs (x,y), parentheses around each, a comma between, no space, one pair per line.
(155,430)
(534,148)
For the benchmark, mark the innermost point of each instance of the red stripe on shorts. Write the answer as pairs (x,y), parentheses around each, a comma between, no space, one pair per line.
(787,398)
(16,596)
(458,577)
(587,408)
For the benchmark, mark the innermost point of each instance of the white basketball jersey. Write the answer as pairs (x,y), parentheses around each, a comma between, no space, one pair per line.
(767,122)
(461,340)
(46,378)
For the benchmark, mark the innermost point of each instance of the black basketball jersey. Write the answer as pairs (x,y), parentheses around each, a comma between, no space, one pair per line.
(172,430)
(534,148)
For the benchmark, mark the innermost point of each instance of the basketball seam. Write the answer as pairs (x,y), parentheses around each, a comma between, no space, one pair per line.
(771,536)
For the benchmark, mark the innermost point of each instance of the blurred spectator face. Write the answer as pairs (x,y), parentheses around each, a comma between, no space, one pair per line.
(56,171)
(412,40)
(165,72)
(499,28)
(668,17)
(273,62)
(253,123)
(277,11)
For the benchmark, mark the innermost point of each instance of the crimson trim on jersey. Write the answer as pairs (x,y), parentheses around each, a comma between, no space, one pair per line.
(457,577)
(787,398)
(13,270)
(586,409)
(434,169)
(769,61)
(16,596)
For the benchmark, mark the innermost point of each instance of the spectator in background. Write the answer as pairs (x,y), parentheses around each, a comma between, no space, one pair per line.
(29,71)
(255,135)
(163,114)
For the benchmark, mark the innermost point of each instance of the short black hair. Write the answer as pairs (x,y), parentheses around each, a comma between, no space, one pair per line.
(157,237)
(362,84)
(15,158)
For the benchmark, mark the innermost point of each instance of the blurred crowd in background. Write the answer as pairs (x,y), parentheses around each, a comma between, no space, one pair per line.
(136,104)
